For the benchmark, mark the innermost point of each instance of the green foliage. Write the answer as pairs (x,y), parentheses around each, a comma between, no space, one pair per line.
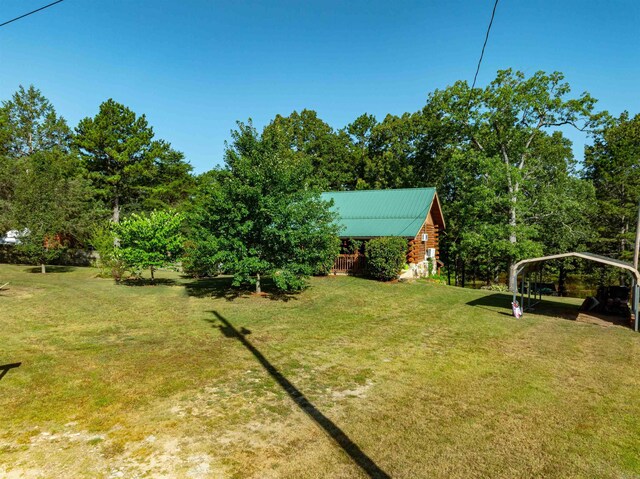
(52,204)
(150,241)
(353,245)
(127,166)
(612,165)
(506,177)
(104,242)
(28,125)
(305,136)
(498,287)
(508,184)
(33,124)
(202,257)
(263,216)
(437,278)
(385,257)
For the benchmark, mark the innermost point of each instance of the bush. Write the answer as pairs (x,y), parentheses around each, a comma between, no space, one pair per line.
(109,260)
(150,241)
(386,257)
(437,278)
(200,257)
(499,287)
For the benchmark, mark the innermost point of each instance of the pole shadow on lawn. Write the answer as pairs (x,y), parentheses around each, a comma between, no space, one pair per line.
(4,368)
(333,431)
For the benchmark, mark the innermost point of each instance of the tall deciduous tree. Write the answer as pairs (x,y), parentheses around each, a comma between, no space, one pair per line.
(265,217)
(304,134)
(613,165)
(507,120)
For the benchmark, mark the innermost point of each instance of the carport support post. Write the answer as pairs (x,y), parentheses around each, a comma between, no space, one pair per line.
(636,256)
(636,293)
(524,279)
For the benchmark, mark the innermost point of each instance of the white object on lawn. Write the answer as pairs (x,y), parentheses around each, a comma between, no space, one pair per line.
(517,310)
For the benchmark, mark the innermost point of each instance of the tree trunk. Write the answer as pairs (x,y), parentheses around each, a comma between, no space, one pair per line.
(116,218)
(513,218)
(562,278)
(43,268)
(116,210)
(258,289)
(152,278)
(623,247)
(456,274)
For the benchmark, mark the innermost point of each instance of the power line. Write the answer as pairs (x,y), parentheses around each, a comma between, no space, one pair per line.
(486,38)
(30,13)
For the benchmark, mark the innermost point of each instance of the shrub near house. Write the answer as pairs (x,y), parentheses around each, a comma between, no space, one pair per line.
(385,257)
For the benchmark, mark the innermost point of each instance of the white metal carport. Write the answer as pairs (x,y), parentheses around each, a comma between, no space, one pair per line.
(526,266)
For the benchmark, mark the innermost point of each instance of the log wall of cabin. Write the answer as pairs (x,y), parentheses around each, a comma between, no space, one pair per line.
(417,248)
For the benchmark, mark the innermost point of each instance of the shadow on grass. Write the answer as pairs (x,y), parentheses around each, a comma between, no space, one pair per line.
(498,303)
(356,454)
(4,368)
(549,306)
(501,303)
(148,282)
(52,269)
(221,287)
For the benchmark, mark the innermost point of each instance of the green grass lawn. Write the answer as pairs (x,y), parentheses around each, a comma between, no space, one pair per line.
(351,378)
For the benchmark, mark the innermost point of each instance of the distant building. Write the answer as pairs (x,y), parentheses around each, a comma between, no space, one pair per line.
(12,237)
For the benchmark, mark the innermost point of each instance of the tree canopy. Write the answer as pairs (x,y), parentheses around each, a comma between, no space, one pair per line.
(126,165)
(264,215)
(150,241)
(507,179)
(612,164)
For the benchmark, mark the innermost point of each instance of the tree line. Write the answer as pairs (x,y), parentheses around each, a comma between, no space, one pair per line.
(508,182)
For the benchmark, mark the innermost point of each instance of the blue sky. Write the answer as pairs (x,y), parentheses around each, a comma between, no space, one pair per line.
(195,67)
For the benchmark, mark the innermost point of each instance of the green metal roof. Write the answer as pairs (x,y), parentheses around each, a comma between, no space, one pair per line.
(371,213)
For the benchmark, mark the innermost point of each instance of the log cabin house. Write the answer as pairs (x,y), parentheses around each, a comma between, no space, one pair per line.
(411,213)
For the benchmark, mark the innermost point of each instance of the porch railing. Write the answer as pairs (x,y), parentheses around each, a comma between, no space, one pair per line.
(350,264)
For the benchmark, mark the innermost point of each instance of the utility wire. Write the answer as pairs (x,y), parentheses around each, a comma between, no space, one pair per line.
(486,38)
(30,13)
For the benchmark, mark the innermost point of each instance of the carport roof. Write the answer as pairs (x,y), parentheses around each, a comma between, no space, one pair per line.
(527,263)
